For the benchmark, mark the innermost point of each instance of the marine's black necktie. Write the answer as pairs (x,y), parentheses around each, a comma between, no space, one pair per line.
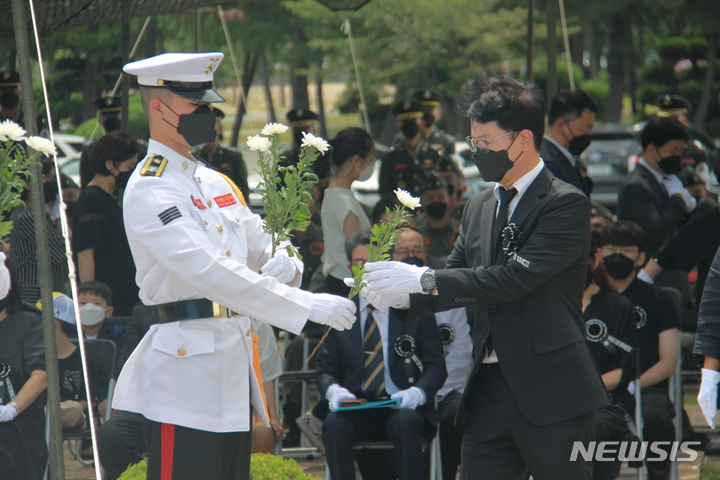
(501,221)
(374,384)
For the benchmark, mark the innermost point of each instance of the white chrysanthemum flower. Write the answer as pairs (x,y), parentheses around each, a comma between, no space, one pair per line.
(10,130)
(274,128)
(41,145)
(407,200)
(310,140)
(259,144)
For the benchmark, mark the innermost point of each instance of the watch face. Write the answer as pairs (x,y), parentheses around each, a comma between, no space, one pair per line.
(428,280)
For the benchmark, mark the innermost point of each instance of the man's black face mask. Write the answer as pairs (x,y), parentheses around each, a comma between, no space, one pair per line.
(198,127)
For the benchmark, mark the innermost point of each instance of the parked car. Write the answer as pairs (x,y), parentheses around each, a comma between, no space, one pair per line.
(68,152)
(613,153)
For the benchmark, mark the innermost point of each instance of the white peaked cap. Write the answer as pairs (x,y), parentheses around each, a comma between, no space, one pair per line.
(189,75)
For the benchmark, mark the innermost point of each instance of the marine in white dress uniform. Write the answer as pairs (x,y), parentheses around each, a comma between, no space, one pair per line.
(203,259)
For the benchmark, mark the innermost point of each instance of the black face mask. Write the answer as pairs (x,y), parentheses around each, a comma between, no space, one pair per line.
(618,266)
(494,165)
(429,119)
(298,138)
(9,100)
(436,210)
(418,262)
(671,164)
(410,130)
(50,191)
(112,124)
(579,144)
(198,127)
(121,179)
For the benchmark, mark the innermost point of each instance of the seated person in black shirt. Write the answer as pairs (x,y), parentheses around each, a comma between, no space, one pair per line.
(610,325)
(367,362)
(73,399)
(623,249)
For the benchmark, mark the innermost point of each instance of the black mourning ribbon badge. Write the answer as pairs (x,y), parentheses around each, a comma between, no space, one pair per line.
(405,347)
(510,238)
(6,389)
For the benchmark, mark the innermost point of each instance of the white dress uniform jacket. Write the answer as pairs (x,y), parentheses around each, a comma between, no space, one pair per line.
(192,238)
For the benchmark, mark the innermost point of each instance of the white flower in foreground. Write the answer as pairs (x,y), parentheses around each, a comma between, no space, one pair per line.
(41,145)
(407,200)
(10,130)
(273,128)
(310,140)
(259,144)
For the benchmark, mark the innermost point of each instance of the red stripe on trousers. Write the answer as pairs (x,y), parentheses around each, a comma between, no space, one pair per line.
(167,450)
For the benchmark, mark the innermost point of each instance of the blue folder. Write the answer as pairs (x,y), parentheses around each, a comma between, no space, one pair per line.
(391,403)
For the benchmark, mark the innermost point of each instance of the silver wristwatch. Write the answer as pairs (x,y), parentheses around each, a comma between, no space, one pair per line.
(427,281)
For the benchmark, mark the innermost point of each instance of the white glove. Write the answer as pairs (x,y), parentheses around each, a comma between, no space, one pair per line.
(708,395)
(4,277)
(280,267)
(393,277)
(8,412)
(382,300)
(411,398)
(333,311)
(674,185)
(336,394)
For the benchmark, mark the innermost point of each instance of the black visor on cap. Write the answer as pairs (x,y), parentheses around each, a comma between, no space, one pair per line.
(201,92)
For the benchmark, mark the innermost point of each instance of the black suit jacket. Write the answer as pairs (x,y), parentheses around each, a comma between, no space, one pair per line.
(531,303)
(644,201)
(341,357)
(561,168)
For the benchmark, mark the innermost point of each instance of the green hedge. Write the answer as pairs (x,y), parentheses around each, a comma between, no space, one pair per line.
(263,466)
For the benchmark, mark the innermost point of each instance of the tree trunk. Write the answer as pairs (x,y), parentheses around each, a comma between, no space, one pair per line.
(616,67)
(593,68)
(704,103)
(89,91)
(249,64)
(152,38)
(321,102)
(632,73)
(266,88)
(529,42)
(299,84)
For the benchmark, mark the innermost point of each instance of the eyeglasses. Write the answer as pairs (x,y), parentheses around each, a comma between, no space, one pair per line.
(582,129)
(482,145)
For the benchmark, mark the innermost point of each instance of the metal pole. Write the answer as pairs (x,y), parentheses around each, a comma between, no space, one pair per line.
(196,29)
(551,50)
(57,464)
(530,34)
(566,42)
(125,39)
(347,29)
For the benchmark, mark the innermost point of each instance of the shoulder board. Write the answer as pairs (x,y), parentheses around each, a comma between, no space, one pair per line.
(154,166)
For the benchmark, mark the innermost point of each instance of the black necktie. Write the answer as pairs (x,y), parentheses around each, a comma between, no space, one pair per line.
(501,220)
(374,384)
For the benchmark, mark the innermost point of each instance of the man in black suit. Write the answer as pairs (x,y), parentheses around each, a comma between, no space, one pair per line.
(652,195)
(571,118)
(520,260)
(353,365)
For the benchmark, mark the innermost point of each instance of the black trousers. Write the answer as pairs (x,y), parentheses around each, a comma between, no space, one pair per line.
(180,453)
(451,435)
(120,443)
(501,444)
(658,414)
(405,428)
(610,425)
